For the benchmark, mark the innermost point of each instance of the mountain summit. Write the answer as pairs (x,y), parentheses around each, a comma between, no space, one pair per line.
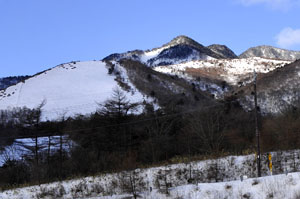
(183,40)
(178,50)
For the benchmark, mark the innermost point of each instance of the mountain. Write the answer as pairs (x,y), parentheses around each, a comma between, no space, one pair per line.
(9,81)
(180,73)
(276,90)
(178,50)
(223,51)
(271,53)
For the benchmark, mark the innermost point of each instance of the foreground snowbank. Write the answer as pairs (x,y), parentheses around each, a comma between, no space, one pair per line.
(192,180)
(279,186)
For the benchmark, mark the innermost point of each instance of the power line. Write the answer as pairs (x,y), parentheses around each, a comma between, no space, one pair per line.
(225,138)
(128,123)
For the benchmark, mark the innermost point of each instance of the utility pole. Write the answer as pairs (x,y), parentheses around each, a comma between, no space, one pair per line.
(256,128)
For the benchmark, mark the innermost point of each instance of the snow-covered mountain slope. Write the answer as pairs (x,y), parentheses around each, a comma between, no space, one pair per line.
(180,49)
(271,53)
(178,54)
(68,89)
(211,75)
(277,90)
(151,182)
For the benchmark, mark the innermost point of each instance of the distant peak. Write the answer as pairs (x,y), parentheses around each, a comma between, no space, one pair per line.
(182,39)
(271,53)
(271,47)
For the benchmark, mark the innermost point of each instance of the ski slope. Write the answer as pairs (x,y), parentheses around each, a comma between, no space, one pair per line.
(67,90)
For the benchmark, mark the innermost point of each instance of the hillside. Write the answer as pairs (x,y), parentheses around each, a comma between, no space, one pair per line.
(277,90)
(219,76)
(68,89)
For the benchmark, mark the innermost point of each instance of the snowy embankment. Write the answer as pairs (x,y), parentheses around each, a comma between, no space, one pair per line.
(195,180)
(67,90)
(270,187)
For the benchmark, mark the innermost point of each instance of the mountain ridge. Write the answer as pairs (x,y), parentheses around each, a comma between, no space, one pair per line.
(180,45)
(271,52)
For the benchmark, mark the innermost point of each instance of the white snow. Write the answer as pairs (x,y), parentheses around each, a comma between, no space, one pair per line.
(277,187)
(150,54)
(68,89)
(229,70)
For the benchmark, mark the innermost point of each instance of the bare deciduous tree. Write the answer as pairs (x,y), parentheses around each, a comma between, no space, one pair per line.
(208,128)
(132,183)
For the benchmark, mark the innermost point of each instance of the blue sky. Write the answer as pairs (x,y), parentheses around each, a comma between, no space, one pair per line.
(39,34)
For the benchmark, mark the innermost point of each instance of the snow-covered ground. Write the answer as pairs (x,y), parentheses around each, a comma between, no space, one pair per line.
(25,147)
(68,89)
(220,178)
(278,187)
(229,70)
